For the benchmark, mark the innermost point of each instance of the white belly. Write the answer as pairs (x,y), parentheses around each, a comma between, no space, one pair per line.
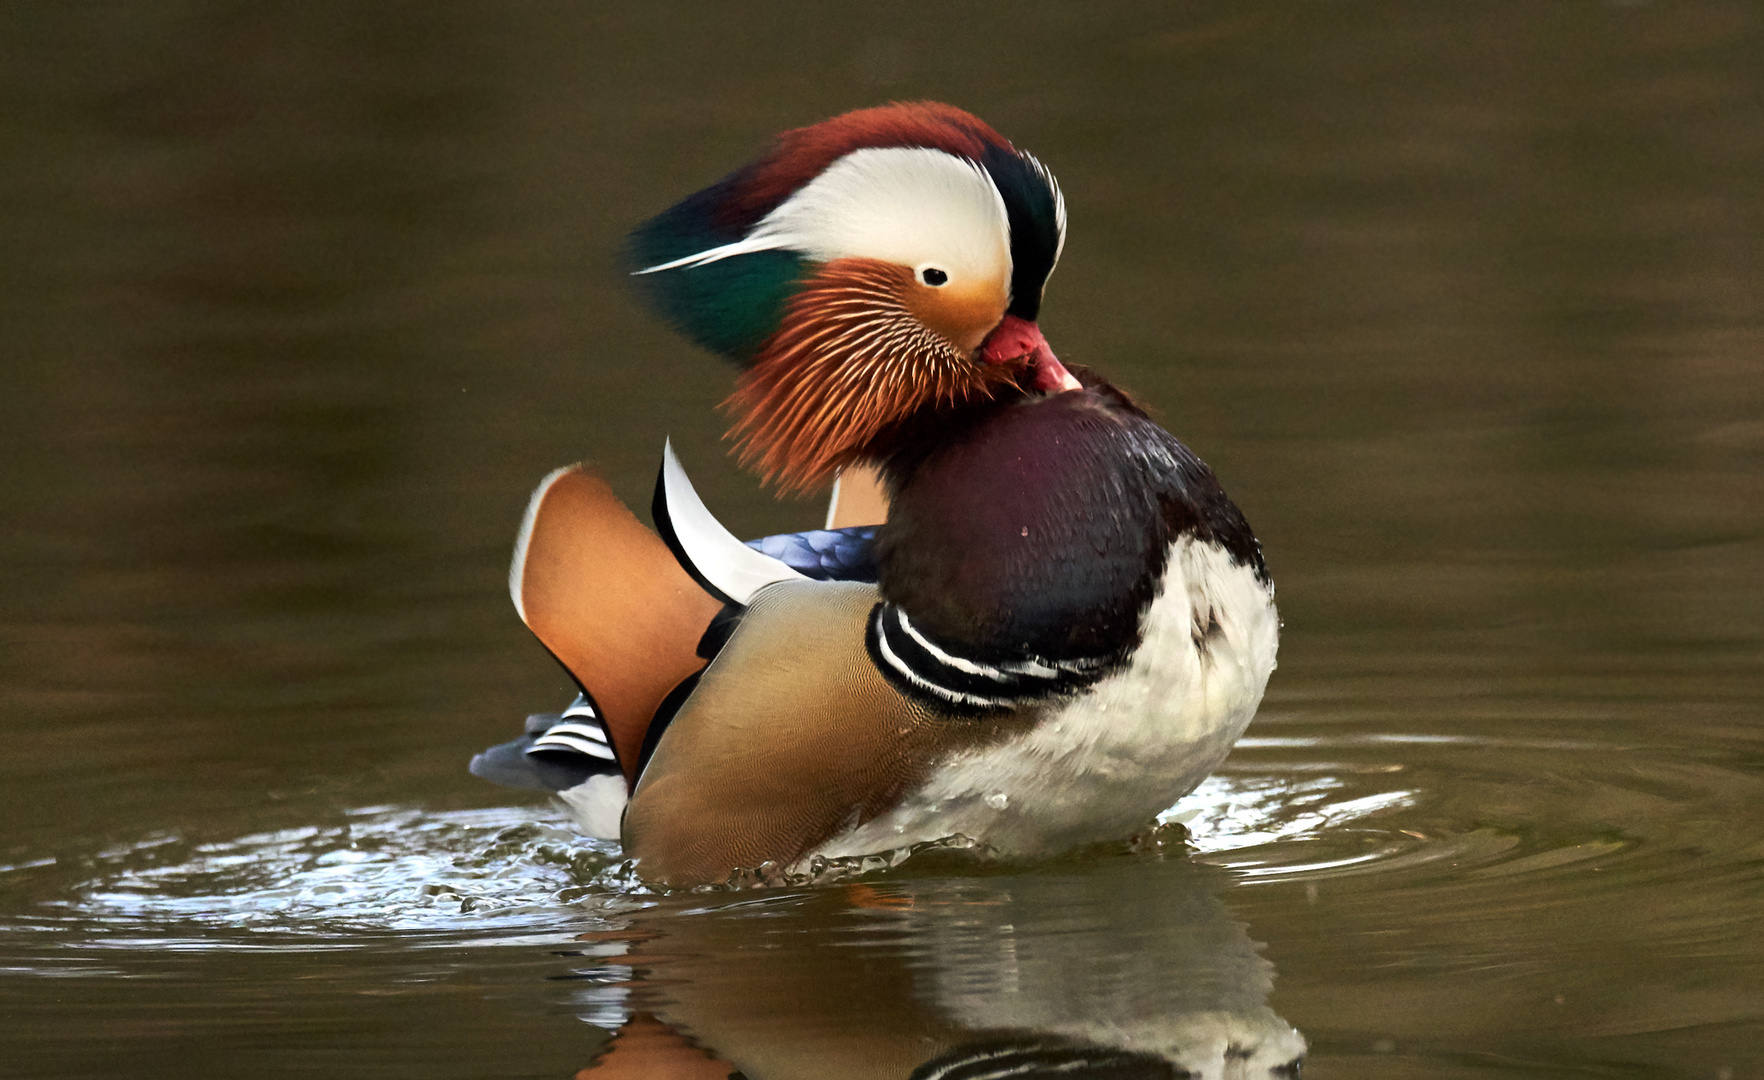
(1103,765)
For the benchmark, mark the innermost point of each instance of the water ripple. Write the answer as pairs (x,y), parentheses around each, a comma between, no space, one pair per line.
(1477,809)
(1403,808)
(385,869)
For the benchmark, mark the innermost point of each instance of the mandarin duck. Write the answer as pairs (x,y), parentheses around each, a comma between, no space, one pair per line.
(1059,628)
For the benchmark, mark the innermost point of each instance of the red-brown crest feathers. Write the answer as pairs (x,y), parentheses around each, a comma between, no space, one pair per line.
(803,153)
(849,362)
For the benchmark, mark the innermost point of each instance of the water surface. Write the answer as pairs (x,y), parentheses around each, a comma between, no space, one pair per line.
(1465,306)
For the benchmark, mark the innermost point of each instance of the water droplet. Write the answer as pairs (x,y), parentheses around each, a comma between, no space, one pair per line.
(998,800)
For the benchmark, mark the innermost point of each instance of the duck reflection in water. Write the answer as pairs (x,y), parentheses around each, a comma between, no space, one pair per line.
(1128,970)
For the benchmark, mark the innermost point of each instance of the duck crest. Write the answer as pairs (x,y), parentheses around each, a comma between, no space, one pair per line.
(732,303)
(802,153)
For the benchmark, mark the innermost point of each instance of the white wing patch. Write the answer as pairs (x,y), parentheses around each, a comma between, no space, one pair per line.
(906,205)
(735,569)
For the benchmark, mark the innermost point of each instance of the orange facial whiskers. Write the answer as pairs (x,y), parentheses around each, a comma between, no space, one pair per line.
(848,362)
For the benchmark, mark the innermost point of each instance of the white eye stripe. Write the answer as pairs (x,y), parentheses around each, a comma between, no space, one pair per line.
(745,246)
(906,205)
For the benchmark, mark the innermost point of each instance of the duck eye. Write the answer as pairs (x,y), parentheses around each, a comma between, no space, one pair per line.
(930,275)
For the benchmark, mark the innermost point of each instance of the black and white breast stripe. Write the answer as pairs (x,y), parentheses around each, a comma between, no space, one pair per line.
(940,675)
(579,731)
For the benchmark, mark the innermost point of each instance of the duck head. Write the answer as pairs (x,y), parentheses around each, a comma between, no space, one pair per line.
(863,270)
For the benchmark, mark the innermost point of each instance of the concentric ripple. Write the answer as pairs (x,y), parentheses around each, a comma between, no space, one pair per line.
(1313,808)
(1476,809)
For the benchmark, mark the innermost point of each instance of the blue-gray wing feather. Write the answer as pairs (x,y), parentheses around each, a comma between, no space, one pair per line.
(825,554)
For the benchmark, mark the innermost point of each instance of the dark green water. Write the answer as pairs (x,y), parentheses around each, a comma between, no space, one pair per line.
(1465,303)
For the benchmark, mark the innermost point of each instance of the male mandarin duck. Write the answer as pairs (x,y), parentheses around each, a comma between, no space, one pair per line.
(1060,628)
